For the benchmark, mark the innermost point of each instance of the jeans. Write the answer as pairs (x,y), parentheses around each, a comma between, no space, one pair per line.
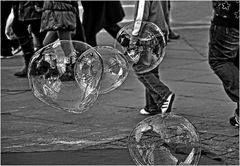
(156,92)
(224,58)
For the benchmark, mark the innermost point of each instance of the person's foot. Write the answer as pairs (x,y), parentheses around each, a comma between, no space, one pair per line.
(167,105)
(234,121)
(173,35)
(146,112)
(22,73)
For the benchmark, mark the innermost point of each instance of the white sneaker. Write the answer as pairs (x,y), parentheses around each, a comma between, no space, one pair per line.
(144,112)
(167,105)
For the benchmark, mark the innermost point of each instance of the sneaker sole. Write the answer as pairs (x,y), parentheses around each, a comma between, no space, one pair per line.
(144,112)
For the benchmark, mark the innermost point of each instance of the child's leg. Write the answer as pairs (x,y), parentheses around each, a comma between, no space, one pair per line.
(151,106)
(157,89)
(37,35)
(66,46)
(50,37)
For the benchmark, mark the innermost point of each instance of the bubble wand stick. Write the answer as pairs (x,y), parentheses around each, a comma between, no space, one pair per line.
(136,29)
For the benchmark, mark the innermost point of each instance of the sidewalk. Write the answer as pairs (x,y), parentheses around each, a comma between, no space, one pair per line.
(29,125)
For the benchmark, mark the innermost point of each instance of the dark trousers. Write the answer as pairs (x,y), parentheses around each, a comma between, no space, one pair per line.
(166,5)
(112,30)
(20,28)
(156,92)
(224,58)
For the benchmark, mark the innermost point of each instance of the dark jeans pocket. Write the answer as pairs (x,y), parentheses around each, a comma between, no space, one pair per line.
(224,43)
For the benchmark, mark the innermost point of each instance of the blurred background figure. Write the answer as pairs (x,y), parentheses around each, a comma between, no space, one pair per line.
(224,49)
(166,5)
(101,14)
(27,13)
(8,47)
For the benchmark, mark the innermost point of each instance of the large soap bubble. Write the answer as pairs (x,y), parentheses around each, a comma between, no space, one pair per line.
(149,50)
(116,68)
(51,75)
(165,139)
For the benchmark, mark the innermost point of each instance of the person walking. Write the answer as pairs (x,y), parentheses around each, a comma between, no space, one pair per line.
(159,98)
(223,55)
(27,13)
(101,14)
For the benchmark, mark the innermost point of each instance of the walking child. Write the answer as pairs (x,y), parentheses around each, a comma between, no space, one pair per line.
(159,98)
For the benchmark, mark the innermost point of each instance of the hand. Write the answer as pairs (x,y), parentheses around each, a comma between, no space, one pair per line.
(38,9)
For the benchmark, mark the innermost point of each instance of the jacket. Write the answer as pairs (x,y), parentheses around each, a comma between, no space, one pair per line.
(59,15)
(226,13)
(27,10)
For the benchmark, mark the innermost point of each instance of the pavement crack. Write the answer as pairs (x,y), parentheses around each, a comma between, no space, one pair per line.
(190,45)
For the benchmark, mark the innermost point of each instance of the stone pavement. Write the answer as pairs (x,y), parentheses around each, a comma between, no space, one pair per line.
(28,125)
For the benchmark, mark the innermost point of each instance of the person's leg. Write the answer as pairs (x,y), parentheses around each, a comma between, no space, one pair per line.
(66,46)
(166,9)
(80,33)
(20,28)
(38,36)
(151,106)
(91,40)
(50,37)
(223,53)
(113,30)
(158,90)
(166,5)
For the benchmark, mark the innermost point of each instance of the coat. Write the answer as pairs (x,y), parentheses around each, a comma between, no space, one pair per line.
(27,10)
(59,15)
(100,14)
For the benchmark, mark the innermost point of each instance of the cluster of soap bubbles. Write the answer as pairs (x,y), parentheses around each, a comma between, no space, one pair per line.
(70,75)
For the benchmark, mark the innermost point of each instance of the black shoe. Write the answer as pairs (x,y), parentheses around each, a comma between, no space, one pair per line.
(167,105)
(234,121)
(22,73)
(173,35)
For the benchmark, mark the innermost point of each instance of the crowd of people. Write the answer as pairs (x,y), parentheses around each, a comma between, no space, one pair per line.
(38,23)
